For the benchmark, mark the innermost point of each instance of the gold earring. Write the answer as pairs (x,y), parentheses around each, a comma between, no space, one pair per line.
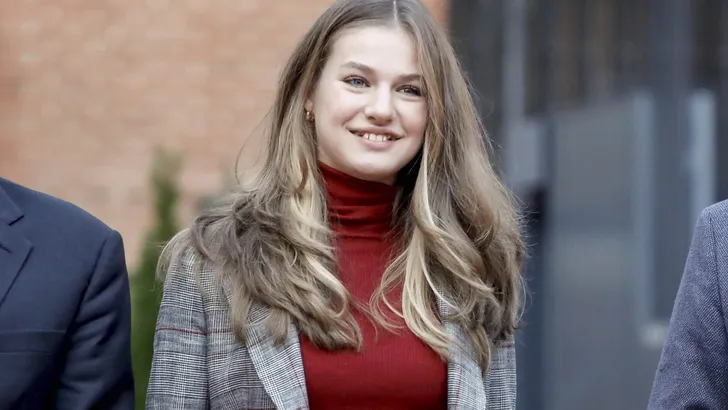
(309,116)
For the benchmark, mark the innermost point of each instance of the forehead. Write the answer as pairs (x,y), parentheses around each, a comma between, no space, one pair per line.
(384,49)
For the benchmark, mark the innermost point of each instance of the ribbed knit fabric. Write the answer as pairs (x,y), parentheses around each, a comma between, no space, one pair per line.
(394,371)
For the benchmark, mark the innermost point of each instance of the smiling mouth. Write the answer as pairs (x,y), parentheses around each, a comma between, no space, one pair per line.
(375,137)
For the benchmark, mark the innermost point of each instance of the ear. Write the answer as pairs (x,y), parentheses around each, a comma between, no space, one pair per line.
(308,105)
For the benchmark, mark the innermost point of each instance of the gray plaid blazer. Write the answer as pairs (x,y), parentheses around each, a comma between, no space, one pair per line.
(198,364)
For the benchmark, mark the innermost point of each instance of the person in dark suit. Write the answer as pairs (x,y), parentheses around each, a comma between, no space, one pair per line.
(64,307)
(693,369)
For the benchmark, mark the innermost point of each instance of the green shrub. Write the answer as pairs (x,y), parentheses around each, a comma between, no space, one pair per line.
(146,291)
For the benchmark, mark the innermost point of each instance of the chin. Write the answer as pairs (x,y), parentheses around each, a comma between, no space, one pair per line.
(377,174)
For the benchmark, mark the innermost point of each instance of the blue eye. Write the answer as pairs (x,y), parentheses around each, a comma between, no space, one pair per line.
(412,90)
(356,81)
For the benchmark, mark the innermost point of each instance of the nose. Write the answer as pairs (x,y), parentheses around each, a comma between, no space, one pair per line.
(380,108)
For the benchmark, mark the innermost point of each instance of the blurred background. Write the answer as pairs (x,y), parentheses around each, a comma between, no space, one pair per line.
(610,117)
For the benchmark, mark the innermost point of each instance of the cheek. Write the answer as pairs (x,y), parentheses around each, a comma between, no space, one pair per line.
(414,121)
(329,118)
(335,106)
(415,144)
(344,108)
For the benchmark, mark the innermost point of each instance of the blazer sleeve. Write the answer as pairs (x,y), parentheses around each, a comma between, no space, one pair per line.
(97,371)
(693,368)
(500,380)
(179,366)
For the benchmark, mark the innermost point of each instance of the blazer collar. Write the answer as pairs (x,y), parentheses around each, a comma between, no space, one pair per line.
(280,368)
(14,247)
(9,211)
(465,387)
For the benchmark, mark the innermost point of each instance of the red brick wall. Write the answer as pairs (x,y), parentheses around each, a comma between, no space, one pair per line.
(88,88)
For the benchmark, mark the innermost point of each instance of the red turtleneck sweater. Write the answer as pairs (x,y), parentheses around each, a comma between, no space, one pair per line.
(394,371)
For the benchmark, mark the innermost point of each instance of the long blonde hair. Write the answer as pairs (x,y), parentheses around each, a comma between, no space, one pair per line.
(459,225)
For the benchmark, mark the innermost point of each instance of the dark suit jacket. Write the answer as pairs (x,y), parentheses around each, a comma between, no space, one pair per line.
(64,307)
(693,370)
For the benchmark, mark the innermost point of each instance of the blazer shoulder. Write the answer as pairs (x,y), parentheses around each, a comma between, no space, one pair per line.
(182,266)
(51,211)
(718,214)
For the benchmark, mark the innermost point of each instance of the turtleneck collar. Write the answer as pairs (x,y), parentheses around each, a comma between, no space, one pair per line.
(357,208)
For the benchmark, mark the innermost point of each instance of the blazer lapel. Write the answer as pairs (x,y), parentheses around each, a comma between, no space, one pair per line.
(279,368)
(14,247)
(465,388)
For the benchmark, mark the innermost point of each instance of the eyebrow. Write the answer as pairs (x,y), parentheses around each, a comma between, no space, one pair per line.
(370,71)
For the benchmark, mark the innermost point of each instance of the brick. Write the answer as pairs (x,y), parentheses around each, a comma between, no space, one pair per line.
(89,88)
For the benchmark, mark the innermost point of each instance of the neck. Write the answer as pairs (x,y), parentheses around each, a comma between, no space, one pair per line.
(357,208)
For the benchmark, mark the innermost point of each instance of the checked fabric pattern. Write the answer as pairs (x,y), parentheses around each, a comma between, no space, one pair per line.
(198,364)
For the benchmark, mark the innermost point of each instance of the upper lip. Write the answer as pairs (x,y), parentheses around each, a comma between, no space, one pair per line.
(377,131)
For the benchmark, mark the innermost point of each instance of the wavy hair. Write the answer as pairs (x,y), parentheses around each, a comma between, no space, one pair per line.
(459,226)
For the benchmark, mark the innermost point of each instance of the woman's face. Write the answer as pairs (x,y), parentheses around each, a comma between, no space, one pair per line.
(368,105)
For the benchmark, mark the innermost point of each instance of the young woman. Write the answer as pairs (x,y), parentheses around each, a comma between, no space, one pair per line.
(374,263)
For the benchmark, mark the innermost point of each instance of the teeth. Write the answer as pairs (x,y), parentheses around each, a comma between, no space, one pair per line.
(376,137)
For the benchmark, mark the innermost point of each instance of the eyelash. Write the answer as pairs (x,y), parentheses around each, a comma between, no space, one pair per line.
(349,80)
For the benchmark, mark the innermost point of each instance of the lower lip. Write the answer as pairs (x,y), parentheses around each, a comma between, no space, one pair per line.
(375,144)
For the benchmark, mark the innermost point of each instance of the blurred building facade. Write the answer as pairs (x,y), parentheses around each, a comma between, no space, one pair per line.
(612,122)
(89,89)
(611,118)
